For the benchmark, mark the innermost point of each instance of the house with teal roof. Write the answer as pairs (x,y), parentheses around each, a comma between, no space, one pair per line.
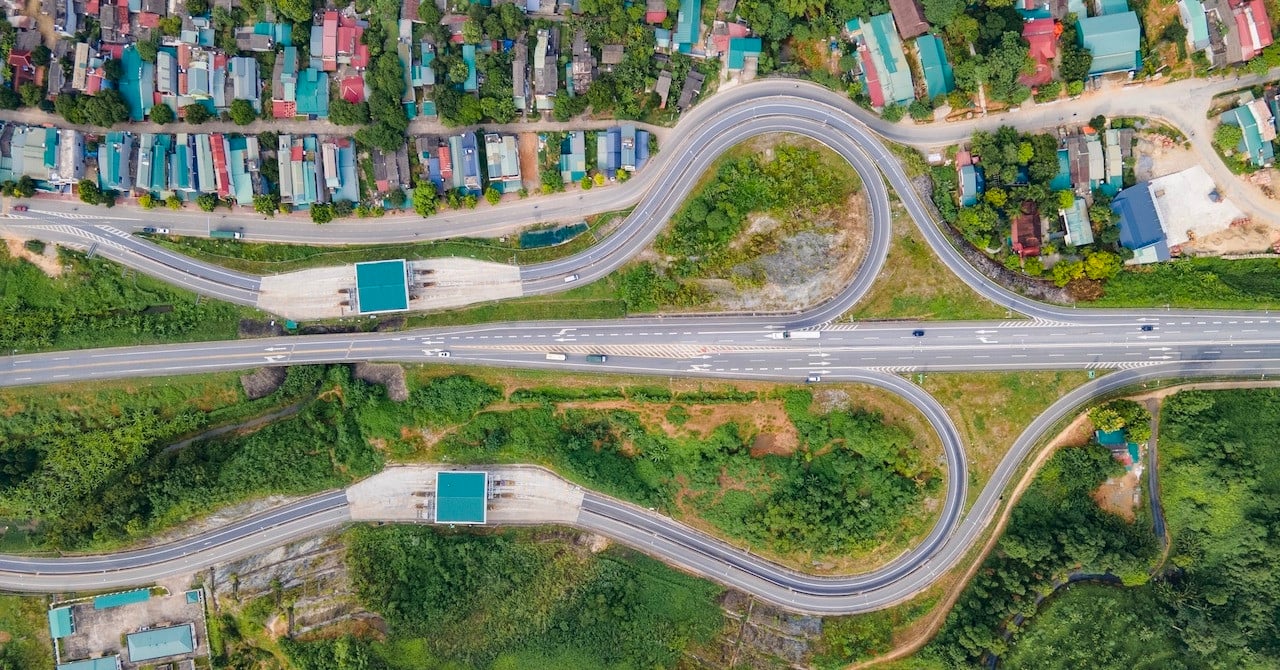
(149,645)
(153,163)
(1115,40)
(885,72)
(688,26)
(938,76)
(1257,127)
(742,48)
(137,83)
(313,93)
(573,157)
(1196,22)
(469,57)
(1076,221)
(113,161)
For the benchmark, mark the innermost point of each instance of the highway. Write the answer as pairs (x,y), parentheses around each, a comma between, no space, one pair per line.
(1141,345)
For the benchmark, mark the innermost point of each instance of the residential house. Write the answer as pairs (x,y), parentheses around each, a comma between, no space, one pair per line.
(218,151)
(1197,24)
(138,83)
(655,11)
(661,40)
(939,79)
(472,84)
(688,26)
(444,155)
(627,145)
(690,90)
(312,94)
(182,164)
(971,179)
(582,65)
(885,72)
(1115,40)
(152,175)
(284,84)
(69,168)
(1140,228)
(545,74)
(1024,233)
(244,81)
(520,75)
(249,39)
(1257,124)
(114,154)
(909,17)
(390,170)
(663,88)
(744,56)
(24,71)
(1042,36)
(1075,220)
(609,151)
(503,160)
(1114,179)
(721,33)
(113,20)
(611,56)
(166,71)
(465,155)
(206,180)
(300,173)
(1097,157)
(573,157)
(242,162)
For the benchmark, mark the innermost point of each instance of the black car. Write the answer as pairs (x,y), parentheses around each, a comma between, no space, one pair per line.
(917,333)
(1147,329)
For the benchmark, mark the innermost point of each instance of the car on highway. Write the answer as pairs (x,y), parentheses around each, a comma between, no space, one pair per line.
(597,358)
(917,333)
(1148,328)
(156,231)
(813,379)
(570,278)
(442,354)
(19,208)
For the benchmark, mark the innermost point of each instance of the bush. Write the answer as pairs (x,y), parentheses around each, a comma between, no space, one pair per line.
(242,112)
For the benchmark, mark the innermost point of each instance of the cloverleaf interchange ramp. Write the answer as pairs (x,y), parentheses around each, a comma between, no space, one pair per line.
(1180,344)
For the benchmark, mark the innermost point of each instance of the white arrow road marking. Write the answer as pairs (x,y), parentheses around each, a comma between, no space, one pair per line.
(276,349)
(275,358)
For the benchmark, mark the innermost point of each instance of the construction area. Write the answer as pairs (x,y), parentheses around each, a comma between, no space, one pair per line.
(381,287)
(481,495)
(128,630)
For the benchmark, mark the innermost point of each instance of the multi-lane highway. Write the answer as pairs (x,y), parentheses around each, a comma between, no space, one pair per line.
(1141,344)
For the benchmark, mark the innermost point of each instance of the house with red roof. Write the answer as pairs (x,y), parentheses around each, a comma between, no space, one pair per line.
(1025,230)
(329,43)
(655,11)
(24,71)
(1042,35)
(1252,25)
(218,147)
(909,17)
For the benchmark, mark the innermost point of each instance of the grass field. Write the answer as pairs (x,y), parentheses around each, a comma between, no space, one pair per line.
(597,300)
(914,284)
(1211,283)
(269,258)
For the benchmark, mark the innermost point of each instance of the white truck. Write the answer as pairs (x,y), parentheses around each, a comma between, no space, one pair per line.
(556,357)
(796,335)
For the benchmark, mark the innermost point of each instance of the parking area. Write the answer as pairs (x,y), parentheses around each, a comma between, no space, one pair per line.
(516,495)
(100,625)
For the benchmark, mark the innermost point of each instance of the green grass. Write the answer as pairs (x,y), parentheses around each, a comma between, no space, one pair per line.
(1207,283)
(914,284)
(597,300)
(24,620)
(1097,626)
(850,639)
(96,303)
(270,258)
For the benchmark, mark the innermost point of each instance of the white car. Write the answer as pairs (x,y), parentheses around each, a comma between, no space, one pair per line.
(442,354)
(570,278)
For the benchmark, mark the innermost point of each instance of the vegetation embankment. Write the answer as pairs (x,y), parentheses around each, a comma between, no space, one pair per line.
(269,258)
(24,633)
(769,229)
(96,303)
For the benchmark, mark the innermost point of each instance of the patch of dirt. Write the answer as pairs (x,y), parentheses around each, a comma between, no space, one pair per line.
(254,328)
(5,637)
(1249,238)
(262,382)
(1159,156)
(278,626)
(387,375)
(593,543)
(1119,495)
(766,419)
(47,262)
(529,169)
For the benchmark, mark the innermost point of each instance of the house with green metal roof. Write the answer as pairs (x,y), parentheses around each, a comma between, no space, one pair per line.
(502,158)
(149,645)
(137,83)
(113,161)
(1115,40)
(1076,221)
(1113,6)
(573,157)
(688,26)
(938,76)
(313,93)
(885,72)
(61,623)
(111,662)
(461,497)
(1196,22)
(1257,128)
(742,48)
(121,599)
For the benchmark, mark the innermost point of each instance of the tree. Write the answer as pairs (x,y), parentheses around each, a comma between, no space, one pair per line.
(147,51)
(298,11)
(321,213)
(458,71)
(499,110)
(346,113)
(170,25)
(267,204)
(1101,265)
(1227,137)
(892,112)
(1098,123)
(113,69)
(944,12)
(26,187)
(197,7)
(41,55)
(424,199)
(207,202)
(1074,64)
(1066,271)
(31,94)
(471,32)
(196,113)
(162,113)
(173,202)
(492,196)
(242,112)
(9,99)
(89,192)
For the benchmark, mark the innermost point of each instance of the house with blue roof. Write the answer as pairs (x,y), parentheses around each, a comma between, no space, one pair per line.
(1115,40)
(688,26)
(1140,227)
(573,157)
(1194,19)
(465,155)
(939,79)
(885,72)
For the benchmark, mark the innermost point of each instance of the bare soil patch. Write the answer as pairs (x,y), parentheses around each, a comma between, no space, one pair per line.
(262,382)
(529,168)
(1119,495)
(1249,238)
(47,262)
(387,375)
